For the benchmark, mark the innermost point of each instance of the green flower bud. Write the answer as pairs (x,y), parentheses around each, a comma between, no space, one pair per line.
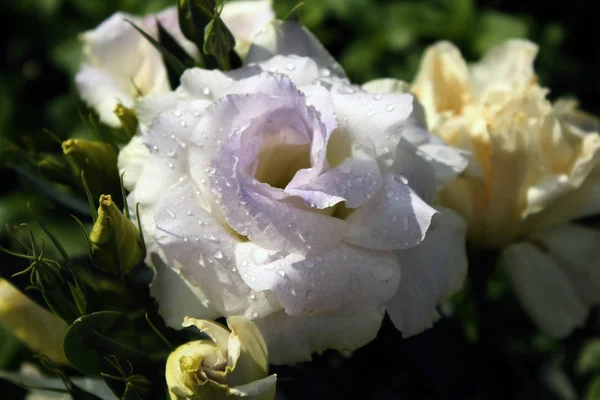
(128,119)
(98,160)
(114,238)
(231,363)
(37,328)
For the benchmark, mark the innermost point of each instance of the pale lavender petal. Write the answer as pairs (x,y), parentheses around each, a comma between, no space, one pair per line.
(346,279)
(354,181)
(291,38)
(203,252)
(292,339)
(431,272)
(395,218)
(301,70)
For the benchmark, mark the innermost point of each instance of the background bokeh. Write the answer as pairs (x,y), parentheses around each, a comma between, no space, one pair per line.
(40,52)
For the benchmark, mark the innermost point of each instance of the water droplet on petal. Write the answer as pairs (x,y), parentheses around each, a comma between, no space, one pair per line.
(325,72)
(377,96)
(170,165)
(389,107)
(177,112)
(205,91)
(281,272)
(290,66)
(260,256)
(188,212)
(371,113)
(254,314)
(394,218)
(252,279)
(171,213)
(218,254)
(252,295)
(401,179)
(211,237)
(389,194)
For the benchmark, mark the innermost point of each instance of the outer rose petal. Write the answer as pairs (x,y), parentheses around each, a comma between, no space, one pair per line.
(442,83)
(204,253)
(508,66)
(545,292)
(575,249)
(245,19)
(419,174)
(132,159)
(395,218)
(287,38)
(430,273)
(103,92)
(176,297)
(293,339)
(346,279)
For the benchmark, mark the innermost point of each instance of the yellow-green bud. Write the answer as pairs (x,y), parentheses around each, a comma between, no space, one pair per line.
(98,160)
(110,227)
(231,364)
(37,328)
(128,119)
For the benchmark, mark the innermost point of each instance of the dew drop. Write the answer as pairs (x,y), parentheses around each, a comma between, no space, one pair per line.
(345,89)
(377,96)
(205,91)
(252,279)
(325,72)
(211,237)
(389,194)
(171,153)
(371,113)
(183,124)
(188,212)
(197,113)
(254,314)
(389,107)
(177,112)
(218,254)
(170,165)
(401,179)
(281,273)
(155,148)
(290,66)
(171,213)
(394,218)
(252,295)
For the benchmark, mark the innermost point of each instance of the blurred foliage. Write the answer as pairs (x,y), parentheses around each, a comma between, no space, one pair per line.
(492,345)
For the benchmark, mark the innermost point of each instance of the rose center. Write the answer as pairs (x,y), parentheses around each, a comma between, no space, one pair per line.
(280,157)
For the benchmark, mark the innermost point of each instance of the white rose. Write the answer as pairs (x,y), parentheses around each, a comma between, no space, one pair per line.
(539,170)
(119,64)
(283,193)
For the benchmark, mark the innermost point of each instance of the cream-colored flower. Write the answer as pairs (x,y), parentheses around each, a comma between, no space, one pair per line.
(539,169)
(36,327)
(119,65)
(231,364)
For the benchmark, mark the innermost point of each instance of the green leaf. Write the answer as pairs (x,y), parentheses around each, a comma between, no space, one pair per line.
(172,62)
(592,392)
(171,45)
(589,357)
(219,42)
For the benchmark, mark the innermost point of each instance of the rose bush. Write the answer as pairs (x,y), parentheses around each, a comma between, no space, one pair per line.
(540,169)
(109,75)
(283,193)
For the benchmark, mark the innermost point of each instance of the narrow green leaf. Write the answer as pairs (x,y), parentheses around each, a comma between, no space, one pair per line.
(172,61)
(124,195)
(90,200)
(293,15)
(141,232)
(87,238)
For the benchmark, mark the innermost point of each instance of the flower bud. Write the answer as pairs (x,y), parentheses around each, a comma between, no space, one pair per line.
(231,363)
(98,160)
(128,119)
(113,227)
(36,327)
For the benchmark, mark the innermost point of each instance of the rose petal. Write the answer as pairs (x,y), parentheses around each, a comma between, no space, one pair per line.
(132,159)
(575,249)
(301,70)
(430,273)
(287,38)
(544,291)
(293,339)
(103,92)
(345,279)
(197,245)
(354,181)
(395,218)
